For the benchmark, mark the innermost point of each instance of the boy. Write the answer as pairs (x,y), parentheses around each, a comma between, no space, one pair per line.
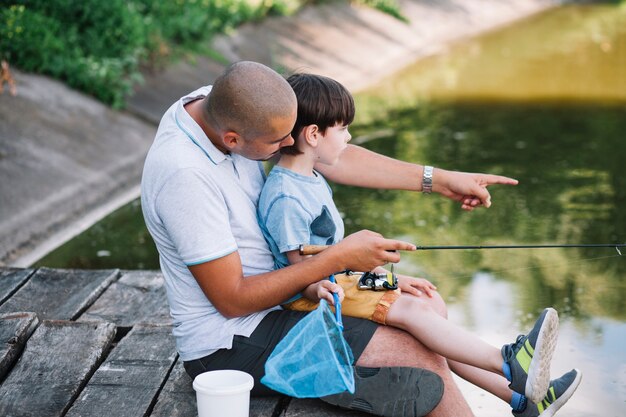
(296,207)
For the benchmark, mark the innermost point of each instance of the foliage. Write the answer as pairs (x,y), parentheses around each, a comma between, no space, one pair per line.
(98,46)
(390,7)
(386,6)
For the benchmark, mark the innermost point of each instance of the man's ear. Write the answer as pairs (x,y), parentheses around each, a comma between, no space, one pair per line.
(311,134)
(232,140)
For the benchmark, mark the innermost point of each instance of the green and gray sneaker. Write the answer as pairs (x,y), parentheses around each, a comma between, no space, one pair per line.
(559,392)
(529,357)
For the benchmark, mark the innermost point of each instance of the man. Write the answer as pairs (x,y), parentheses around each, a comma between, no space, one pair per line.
(200,187)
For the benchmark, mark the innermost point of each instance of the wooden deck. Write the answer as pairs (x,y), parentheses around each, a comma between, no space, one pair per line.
(98,343)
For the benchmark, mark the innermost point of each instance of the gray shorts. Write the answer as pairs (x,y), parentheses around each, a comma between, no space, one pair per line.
(249,354)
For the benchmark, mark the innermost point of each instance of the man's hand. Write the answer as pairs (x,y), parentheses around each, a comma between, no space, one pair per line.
(363,168)
(365,250)
(468,188)
(415,286)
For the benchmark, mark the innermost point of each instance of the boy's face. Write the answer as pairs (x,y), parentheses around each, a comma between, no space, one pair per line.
(333,142)
(266,146)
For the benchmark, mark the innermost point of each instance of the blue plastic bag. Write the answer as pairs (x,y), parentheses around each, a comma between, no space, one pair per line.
(313,360)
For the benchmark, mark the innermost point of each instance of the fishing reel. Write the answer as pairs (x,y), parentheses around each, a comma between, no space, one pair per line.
(373,281)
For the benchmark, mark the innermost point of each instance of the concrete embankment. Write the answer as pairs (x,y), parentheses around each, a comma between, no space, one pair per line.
(67,160)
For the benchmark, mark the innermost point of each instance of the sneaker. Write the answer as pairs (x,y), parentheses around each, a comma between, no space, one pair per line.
(559,392)
(529,357)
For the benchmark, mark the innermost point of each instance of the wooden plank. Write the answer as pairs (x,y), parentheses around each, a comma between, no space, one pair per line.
(60,294)
(178,399)
(15,329)
(314,407)
(11,279)
(264,406)
(137,297)
(58,360)
(128,381)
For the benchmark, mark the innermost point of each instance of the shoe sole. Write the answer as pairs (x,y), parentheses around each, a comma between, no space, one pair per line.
(556,405)
(391,392)
(538,380)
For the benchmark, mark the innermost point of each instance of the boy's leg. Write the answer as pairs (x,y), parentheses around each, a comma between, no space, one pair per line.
(394,347)
(417,316)
(490,382)
(559,392)
(527,361)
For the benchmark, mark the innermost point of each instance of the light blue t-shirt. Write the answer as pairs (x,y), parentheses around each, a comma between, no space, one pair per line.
(295,209)
(199,205)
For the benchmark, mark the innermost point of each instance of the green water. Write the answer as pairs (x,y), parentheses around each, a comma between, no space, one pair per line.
(543,101)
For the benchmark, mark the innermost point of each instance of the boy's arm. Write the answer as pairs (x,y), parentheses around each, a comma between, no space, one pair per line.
(319,289)
(361,167)
(235,295)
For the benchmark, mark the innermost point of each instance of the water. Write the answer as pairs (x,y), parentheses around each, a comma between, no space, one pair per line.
(543,101)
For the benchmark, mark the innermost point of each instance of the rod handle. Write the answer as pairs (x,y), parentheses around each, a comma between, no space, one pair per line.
(315,249)
(311,249)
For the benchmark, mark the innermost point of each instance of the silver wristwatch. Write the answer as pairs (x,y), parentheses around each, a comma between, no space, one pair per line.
(427,180)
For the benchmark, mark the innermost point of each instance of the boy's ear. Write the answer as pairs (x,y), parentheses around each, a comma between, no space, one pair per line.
(231,140)
(311,134)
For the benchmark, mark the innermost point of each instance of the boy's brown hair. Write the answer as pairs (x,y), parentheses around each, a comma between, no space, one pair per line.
(322,101)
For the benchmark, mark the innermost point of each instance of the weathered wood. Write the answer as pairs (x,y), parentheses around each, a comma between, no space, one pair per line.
(60,294)
(178,399)
(15,329)
(128,381)
(58,360)
(264,406)
(313,407)
(11,279)
(137,297)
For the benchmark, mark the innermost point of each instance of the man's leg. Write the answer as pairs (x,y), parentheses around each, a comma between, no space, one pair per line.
(394,347)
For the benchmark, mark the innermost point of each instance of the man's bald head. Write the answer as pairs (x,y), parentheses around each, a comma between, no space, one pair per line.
(247,97)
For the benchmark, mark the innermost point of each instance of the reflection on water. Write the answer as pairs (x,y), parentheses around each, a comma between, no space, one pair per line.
(594,345)
(543,101)
(574,53)
(571,191)
(569,160)
(120,240)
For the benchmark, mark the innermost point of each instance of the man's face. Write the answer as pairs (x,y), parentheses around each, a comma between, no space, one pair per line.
(266,146)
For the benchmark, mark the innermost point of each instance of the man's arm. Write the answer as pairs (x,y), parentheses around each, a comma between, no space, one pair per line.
(234,295)
(361,167)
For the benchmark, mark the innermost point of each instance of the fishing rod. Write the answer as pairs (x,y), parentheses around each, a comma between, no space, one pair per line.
(315,249)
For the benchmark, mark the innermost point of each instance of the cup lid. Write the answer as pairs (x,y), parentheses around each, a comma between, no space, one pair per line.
(225,381)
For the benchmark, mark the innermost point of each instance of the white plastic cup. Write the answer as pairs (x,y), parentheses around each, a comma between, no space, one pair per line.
(224,393)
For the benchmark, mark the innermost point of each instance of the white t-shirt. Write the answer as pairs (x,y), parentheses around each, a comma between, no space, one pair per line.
(199,205)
